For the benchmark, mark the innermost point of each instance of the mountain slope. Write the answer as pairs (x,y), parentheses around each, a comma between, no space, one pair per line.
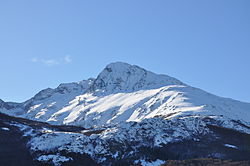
(123,92)
(126,109)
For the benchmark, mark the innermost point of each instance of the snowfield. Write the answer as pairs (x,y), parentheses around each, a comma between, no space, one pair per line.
(125,104)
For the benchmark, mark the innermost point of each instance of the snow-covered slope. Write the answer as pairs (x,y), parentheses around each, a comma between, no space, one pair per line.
(121,77)
(125,109)
(124,92)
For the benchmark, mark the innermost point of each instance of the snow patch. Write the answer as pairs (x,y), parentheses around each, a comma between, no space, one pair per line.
(56,159)
(5,128)
(150,163)
(231,146)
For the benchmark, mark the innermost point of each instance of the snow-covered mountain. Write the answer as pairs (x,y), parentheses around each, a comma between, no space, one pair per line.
(126,103)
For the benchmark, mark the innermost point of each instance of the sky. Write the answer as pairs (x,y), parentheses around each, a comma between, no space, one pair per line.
(204,43)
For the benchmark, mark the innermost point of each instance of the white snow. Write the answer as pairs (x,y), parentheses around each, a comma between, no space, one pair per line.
(5,128)
(231,146)
(56,159)
(97,145)
(148,163)
(121,95)
(115,155)
(171,101)
(123,92)
(27,131)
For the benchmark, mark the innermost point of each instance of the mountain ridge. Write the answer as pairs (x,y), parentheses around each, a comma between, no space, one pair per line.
(121,80)
(127,110)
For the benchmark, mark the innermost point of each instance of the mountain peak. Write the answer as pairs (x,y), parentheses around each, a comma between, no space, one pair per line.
(1,103)
(123,77)
(121,67)
(118,65)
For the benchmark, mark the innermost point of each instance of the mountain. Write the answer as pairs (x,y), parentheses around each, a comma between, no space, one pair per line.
(127,111)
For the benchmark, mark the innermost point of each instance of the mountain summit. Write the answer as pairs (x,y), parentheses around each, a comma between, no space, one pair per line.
(123,77)
(127,109)
(123,92)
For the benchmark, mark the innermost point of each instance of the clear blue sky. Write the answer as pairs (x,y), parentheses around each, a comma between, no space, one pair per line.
(204,43)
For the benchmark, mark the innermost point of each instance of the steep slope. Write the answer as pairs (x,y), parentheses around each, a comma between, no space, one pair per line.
(121,77)
(47,102)
(123,92)
(127,109)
